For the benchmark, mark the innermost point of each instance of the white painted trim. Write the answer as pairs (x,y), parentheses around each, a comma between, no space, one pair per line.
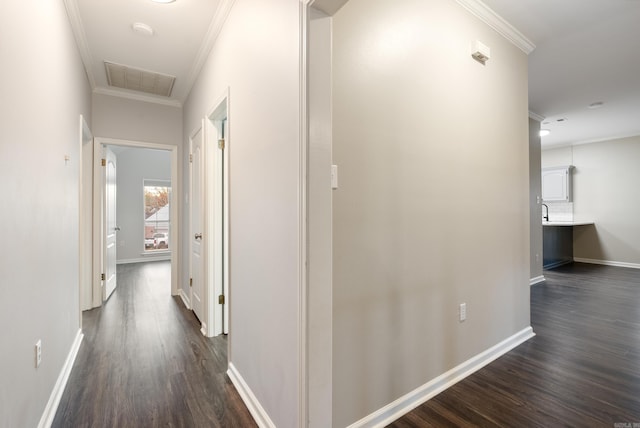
(601,140)
(217,172)
(536,116)
(185,298)
(83,246)
(537,280)
(495,21)
(54,399)
(255,408)
(303,246)
(219,18)
(176,197)
(73,12)
(607,263)
(163,257)
(413,399)
(123,93)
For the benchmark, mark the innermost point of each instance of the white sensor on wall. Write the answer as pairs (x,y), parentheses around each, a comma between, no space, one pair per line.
(480,52)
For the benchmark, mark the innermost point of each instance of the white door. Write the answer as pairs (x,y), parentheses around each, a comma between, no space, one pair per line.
(196,238)
(109,224)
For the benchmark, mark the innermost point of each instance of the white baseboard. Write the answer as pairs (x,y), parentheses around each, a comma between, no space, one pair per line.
(250,400)
(54,400)
(607,263)
(413,399)
(185,298)
(536,280)
(150,258)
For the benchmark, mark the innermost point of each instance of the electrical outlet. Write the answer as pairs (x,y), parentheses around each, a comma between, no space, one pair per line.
(463,311)
(38,353)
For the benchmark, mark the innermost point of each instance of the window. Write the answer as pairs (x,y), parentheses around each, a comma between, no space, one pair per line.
(157,197)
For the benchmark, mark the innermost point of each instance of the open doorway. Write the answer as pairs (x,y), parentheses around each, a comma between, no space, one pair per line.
(139,202)
(208,296)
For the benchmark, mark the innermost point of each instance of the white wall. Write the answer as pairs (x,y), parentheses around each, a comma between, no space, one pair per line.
(432,208)
(126,119)
(134,166)
(257,57)
(605,181)
(43,90)
(319,220)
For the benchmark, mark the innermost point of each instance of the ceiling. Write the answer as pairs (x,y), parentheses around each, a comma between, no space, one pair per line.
(586,51)
(183,33)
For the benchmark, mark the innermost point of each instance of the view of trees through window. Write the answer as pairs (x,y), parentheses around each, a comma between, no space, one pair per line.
(157,196)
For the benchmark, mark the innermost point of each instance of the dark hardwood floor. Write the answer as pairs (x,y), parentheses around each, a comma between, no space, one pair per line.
(144,363)
(581,370)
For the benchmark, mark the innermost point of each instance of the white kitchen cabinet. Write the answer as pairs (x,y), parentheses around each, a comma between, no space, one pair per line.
(556,184)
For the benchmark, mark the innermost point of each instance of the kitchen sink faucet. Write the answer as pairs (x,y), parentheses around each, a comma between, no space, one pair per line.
(546,217)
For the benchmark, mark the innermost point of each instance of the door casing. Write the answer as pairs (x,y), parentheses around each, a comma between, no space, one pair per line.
(98,196)
(215,225)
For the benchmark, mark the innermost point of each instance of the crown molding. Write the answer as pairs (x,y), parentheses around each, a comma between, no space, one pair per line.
(536,116)
(73,13)
(219,18)
(495,21)
(170,102)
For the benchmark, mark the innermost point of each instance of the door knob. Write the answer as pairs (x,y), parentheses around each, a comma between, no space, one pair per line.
(198,236)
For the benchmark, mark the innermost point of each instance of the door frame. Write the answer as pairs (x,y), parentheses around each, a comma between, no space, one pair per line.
(217,200)
(98,195)
(84,222)
(215,208)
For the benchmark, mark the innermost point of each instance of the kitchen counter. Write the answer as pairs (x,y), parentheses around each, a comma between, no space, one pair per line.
(557,242)
(566,223)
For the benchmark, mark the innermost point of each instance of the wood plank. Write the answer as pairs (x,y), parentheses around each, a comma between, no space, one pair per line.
(144,363)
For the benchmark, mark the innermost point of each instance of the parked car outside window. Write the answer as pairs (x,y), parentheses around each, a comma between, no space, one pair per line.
(161,240)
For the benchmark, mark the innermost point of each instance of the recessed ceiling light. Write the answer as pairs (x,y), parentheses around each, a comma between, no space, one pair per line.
(595,105)
(142,29)
(544,132)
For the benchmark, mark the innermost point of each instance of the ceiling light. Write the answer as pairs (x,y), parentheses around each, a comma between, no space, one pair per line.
(595,105)
(544,132)
(142,29)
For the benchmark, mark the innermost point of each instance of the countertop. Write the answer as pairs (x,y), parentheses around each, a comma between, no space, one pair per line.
(566,223)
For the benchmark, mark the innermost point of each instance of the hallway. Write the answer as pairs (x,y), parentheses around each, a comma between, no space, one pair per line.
(144,363)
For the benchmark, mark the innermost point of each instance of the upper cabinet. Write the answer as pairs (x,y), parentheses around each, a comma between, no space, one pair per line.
(556,184)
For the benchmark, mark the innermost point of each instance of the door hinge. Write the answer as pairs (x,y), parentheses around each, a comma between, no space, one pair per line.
(221,299)
(190,158)
(103,277)
(221,144)
(190,282)
(104,162)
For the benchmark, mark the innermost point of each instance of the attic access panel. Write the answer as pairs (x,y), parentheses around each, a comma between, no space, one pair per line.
(137,79)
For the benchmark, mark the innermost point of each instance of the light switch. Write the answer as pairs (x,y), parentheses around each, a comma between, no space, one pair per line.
(334,176)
